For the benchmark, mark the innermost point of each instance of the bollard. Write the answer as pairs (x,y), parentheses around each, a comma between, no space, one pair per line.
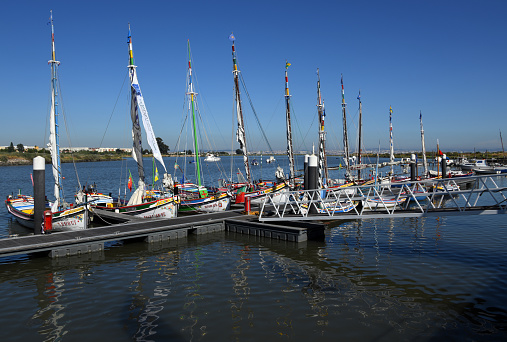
(48,220)
(444,166)
(305,168)
(413,166)
(312,180)
(247,205)
(39,193)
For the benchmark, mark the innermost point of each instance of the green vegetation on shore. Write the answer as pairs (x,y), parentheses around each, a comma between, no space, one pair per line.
(26,157)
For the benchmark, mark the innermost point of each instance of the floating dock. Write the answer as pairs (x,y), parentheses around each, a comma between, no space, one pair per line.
(154,231)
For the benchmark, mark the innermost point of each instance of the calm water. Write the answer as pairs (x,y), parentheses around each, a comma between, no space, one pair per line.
(375,280)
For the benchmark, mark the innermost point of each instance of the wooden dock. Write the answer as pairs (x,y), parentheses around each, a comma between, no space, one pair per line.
(154,231)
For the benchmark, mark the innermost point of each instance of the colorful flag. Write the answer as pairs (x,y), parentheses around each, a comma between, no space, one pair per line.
(156,174)
(129,184)
(232,38)
(287,64)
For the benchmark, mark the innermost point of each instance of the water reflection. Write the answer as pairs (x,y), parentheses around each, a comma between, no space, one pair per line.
(373,279)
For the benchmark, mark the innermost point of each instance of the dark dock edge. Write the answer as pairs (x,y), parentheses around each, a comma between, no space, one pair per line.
(154,231)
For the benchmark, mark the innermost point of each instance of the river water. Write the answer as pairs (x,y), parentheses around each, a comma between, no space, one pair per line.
(374,280)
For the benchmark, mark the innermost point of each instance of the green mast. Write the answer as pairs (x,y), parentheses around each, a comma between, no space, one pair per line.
(194,125)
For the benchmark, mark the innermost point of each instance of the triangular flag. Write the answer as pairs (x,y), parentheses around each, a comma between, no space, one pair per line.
(156,174)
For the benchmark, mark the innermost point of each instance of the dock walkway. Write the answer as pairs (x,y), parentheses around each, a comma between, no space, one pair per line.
(153,230)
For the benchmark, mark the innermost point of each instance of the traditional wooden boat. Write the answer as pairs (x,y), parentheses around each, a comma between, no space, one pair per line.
(64,216)
(143,202)
(197,198)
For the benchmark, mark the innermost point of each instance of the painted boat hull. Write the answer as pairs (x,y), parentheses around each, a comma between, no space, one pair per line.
(66,220)
(162,207)
(278,194)
(384,203)
(210,204)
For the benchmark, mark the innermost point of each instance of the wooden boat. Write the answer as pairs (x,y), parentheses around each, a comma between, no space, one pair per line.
(198,198)
(252,191)
(143,202)
(64,216)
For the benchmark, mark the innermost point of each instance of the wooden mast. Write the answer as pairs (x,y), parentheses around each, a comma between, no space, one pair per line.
(323,171)
(425,162)
(240,133)
(360,136)
(345,134)
(290,149)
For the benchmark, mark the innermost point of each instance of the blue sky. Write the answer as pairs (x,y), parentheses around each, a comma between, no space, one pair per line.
(444,58)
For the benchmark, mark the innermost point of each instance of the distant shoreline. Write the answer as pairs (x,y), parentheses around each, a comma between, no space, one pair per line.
(16,158)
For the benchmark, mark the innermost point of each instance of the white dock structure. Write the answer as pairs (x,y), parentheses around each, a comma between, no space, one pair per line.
(473,195)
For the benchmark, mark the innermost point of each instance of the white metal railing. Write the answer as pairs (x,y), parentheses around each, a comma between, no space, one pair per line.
(470,195)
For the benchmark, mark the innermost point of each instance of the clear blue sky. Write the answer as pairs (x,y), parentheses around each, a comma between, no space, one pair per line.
(444,58)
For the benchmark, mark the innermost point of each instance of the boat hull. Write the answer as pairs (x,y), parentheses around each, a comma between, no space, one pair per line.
(162,207)
(382,203)
(278,194)
(210,204)
(22,209)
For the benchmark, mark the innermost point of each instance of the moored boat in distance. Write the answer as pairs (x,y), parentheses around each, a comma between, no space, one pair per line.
(210,157)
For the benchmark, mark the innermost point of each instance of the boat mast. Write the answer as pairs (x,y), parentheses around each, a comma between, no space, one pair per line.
(503,151)
(345,135)
(136,128)
(194,125)
(425,162)
(290,150)
(391,156)
(360,136)
(323,171)
(54,137)
(240,133)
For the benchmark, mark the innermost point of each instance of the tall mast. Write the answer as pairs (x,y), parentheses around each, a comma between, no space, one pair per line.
(425,162)
(240,133)
(290,150)
(194,125)
(323,171)
(54,137)
(503,151)
(345,134)
(391,156)
(136,128)
(359,162)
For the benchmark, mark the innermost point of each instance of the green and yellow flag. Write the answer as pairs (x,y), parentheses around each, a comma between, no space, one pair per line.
(156,174)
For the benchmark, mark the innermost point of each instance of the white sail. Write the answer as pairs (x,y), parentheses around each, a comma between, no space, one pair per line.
(53,148)
(150,135)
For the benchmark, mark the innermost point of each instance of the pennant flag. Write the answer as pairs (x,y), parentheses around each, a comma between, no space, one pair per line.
(440,153)
(156,174)
(232,38)
(287,64)
(129,184)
